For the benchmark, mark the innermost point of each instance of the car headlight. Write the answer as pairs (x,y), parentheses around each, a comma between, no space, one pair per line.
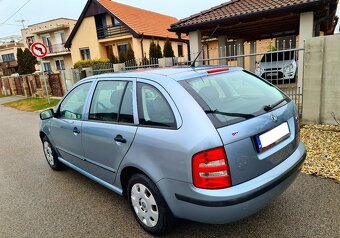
(258,71)
(288,68)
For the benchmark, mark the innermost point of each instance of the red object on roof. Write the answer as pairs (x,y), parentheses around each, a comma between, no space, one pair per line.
(217,70)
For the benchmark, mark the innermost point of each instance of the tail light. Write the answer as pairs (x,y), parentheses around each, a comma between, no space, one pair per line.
(210,169)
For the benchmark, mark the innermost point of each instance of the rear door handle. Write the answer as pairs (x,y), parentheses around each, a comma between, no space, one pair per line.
(120,138)
(76,131)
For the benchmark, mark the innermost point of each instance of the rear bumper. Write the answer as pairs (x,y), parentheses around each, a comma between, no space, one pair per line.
(231,204)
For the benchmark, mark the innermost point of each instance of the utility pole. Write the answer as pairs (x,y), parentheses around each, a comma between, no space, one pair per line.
(22,21)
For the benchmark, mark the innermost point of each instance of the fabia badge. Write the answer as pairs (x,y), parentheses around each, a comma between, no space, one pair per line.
(274,117)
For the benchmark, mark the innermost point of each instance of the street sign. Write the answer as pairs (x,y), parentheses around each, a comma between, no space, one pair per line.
(39,50)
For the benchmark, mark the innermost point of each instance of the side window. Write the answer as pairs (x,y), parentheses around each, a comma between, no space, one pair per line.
(153,109)
(107,102)
(72,106)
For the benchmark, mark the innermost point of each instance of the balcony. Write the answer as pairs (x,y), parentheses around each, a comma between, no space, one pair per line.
(112,32)
(57,49)
(10,45)
(9,64)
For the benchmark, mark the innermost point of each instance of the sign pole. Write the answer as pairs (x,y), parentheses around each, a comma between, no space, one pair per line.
(43,72)
(39,50)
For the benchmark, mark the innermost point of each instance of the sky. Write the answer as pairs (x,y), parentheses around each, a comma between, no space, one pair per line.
(36,11)
(42,10)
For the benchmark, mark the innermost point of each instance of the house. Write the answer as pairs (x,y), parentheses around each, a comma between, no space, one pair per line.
(256,26)
(106,28)
(8,55)
(53,34)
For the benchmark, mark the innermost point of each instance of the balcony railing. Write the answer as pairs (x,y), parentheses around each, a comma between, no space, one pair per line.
(58,48)
(9,64)
(11,45)
(111,32)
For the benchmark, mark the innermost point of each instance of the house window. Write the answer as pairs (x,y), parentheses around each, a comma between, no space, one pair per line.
(85,54)
(47,67)
(115,21)
(180,50)
(60,64)
(30,40)
(8,57)
(123,48)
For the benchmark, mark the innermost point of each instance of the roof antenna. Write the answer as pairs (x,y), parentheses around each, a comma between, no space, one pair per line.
(202,48)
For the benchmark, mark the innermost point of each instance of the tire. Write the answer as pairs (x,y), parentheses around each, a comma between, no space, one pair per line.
(51,155)
(148,206)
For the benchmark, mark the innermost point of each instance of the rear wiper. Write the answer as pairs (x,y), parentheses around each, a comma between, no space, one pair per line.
(230,114)
(268,108)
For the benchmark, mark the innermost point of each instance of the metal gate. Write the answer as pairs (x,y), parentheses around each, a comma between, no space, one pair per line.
(55,84)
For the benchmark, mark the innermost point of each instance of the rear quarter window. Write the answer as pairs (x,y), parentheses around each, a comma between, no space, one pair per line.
(153,108)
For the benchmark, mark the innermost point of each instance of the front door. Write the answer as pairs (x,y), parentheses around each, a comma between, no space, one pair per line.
(66,126)
(110,129)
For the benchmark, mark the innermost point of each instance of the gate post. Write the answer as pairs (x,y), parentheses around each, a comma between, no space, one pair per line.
(240,51)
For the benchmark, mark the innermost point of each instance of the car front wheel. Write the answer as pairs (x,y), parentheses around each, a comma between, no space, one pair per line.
(148,206)
(51,155)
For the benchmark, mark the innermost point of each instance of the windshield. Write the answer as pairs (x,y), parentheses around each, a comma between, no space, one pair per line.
(235,96)
(281,56)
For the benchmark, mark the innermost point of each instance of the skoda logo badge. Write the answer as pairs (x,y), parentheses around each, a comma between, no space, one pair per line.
(274,117)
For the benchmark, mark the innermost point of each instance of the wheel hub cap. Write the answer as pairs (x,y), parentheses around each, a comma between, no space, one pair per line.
(48,153)
(144,205)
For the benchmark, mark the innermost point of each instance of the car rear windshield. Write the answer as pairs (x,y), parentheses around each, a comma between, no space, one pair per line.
(234,96)
(281,56)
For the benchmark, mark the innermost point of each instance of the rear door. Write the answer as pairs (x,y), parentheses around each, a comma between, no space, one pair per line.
(66,126)
(110,129)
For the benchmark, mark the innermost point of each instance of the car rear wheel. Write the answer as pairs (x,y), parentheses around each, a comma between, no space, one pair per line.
(51,155)
(148,206)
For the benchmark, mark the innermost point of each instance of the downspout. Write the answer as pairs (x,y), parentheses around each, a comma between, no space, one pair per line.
(188,46)
(141,43)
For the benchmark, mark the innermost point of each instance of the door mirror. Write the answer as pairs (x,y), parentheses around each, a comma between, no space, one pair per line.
(47,114)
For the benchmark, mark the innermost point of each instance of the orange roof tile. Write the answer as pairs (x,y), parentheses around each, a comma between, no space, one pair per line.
(141,21)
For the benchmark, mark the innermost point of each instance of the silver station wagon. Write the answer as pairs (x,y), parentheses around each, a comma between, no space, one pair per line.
(208,144)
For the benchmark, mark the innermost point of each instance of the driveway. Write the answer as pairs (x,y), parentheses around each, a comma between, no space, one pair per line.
(38,202)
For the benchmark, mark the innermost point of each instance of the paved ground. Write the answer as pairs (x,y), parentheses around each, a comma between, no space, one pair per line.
(10,99)
(38,202)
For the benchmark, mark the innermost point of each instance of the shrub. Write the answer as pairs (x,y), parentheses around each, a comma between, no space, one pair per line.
(168,51)
(130,54)
(158,51)
(155,51)
(152,49)
(26,61)
(89,63)
(113,59)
